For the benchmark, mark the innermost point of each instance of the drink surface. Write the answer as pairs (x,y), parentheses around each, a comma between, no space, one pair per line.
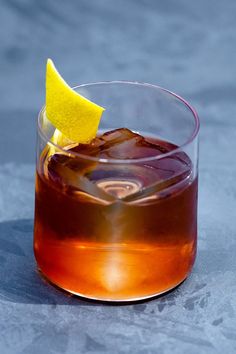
(116,231)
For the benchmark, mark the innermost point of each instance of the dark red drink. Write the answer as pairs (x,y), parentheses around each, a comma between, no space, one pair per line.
(116,231)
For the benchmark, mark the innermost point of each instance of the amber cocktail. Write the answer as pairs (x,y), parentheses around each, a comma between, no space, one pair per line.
(116,219)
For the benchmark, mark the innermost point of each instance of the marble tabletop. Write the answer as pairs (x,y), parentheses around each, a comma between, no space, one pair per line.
(185,46)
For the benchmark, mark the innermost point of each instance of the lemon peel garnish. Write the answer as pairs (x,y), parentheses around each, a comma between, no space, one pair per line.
(74,116)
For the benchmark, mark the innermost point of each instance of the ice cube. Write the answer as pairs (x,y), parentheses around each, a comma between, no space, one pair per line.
(125,144)
(120,144)
(114,181)
(70,175)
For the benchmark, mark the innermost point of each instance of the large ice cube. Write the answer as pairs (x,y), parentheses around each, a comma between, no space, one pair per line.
(120,144)
(114,181)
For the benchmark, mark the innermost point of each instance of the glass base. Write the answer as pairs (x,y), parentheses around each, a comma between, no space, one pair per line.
(110,300)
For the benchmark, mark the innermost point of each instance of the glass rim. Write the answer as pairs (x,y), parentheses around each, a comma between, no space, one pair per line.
(133,160)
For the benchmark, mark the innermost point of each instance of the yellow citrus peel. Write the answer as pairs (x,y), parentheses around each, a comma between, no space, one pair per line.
(75,118)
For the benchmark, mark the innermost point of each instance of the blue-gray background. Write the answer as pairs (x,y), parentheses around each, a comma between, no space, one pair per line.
(186,46)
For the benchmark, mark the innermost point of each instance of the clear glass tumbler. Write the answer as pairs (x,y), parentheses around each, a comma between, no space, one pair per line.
(120,223)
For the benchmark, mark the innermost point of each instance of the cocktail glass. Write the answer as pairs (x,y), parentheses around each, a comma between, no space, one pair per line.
(116,220)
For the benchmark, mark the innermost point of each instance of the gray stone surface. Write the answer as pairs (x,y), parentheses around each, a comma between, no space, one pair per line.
(185,46)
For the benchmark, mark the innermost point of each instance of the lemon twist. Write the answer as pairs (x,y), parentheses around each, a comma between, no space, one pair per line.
(74,116)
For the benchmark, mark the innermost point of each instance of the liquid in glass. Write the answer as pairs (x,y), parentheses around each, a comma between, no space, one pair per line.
(116,231)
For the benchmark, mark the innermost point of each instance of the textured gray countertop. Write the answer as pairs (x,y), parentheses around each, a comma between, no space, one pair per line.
(186,46)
